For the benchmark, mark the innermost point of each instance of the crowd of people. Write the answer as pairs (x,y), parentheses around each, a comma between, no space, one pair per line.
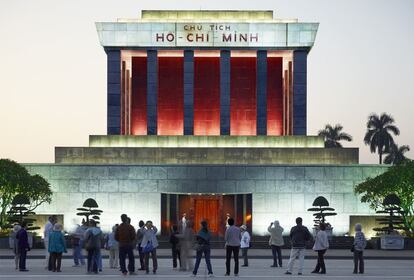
(124,239)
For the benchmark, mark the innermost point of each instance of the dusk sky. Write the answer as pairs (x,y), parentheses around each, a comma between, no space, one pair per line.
(53,69)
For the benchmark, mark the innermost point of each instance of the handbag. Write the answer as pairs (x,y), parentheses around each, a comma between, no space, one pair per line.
(148,248)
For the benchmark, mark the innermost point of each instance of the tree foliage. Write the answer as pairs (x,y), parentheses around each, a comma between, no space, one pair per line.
(14,180)
(398,180)
(90,210)
(19,212)
(396,154)
(378,135)
(322,210)
(333,134)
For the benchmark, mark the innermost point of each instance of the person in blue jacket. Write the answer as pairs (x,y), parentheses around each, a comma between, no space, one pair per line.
(57,246)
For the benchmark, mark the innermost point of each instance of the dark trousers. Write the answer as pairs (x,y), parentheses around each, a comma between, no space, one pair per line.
(175,255)
(235,251)
(277,255)
(244,254)
(206,252)
(154,260)
(125,251)
(320,265)
(358,259)
(141,257)
(56,261)
(22,260)
(92,264)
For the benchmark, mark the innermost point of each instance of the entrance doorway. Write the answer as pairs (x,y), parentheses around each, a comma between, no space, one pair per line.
(212,208)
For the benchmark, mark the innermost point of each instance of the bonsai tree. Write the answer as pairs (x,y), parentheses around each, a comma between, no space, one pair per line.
(14,180)
(395,220)
(322,210)
(20,212)
(90,209)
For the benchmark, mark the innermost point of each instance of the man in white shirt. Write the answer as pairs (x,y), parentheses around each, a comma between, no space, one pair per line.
(183,223)
(48,229)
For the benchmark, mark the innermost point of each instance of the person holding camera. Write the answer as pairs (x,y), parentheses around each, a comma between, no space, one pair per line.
(149,246)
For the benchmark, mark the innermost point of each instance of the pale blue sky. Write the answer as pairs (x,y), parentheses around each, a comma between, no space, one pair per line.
(53,70)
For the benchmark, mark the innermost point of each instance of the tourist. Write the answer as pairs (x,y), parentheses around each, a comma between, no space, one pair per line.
(112,246)
(203,247)
(276,242)
(77,245)
(183,223)
(149,246)
(244,244)
(23,246)
(93,237)
(13,242)
(57,246)
(125,235)
(47,230)
(140,235)
(232,238)
(320,246)
(299,235)
(186,244)
(358,247)
(175,249)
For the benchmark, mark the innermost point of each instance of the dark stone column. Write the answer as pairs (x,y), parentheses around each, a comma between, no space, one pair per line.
(113,92)
(188,92)
(225,92)
(261,93)
(299,91)
(152,91)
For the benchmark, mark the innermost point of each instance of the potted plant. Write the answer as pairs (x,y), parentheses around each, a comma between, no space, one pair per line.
(391,239)
(322,209)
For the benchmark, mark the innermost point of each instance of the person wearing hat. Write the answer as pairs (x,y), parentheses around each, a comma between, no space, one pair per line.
(244,244)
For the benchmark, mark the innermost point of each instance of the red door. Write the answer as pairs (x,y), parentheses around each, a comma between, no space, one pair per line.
(206,209)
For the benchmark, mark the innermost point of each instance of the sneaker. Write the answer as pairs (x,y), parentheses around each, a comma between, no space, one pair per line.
(227,274)
(288,273)
(210,275)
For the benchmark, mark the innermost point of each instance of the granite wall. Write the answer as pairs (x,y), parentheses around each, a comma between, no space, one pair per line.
(280,192)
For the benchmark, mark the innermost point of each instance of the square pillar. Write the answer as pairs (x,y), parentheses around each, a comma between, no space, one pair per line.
(225,92)
(299,91)
(188,92)
(152,91)
(261,93)
(113,92)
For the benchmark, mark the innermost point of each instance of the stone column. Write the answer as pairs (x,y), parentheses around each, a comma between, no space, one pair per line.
(261,93)
(188,92)
(225,92)
(299,91)
(152,91)
(113,92)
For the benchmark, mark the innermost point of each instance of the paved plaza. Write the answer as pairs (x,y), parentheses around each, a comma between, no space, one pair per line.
(378,266)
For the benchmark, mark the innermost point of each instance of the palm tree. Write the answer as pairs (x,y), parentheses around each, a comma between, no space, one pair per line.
(378,136)
(396,154)
(332,136)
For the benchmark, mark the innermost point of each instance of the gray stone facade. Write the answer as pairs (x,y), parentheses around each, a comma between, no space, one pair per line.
(280,192)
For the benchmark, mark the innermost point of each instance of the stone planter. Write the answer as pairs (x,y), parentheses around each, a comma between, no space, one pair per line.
(392,242)
(409,243)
